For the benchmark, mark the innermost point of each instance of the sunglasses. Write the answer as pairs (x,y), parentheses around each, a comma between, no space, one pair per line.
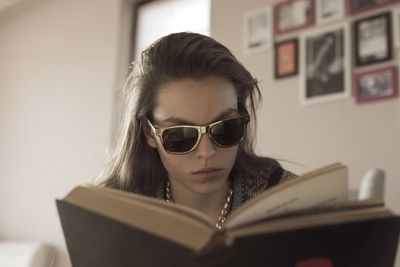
(183,139)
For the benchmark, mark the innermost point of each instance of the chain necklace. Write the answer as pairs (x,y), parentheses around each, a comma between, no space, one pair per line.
(222,215)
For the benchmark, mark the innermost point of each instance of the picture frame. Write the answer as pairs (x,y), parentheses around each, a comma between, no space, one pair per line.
(325,70)
(286,58)
(329,11)
(292,15)
(359,6)
(376,84)
(373,39)
(258,30)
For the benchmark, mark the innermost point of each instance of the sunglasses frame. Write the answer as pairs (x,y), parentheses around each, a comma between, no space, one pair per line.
(200,130)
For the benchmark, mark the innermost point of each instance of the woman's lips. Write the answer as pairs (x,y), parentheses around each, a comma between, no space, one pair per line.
(207,173)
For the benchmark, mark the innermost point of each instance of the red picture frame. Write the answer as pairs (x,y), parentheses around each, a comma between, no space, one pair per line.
(285,18)
(376,84)
(357,6)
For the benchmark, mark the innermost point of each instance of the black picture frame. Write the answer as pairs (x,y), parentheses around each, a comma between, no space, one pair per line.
(286,58)
(373,39)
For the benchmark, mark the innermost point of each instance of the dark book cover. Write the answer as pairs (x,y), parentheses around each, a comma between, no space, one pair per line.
(371,243)
(95,240)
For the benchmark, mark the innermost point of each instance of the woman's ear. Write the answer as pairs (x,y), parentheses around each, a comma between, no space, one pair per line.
(150,138)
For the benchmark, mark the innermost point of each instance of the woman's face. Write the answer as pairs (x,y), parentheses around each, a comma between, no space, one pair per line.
(189,102)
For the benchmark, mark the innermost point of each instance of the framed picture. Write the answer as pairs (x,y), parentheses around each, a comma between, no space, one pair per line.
(329,10)
(396,27)
(324,66)
(373,39)
(286,58)
(293,15)
(376,84)
(359,6)
(258,30)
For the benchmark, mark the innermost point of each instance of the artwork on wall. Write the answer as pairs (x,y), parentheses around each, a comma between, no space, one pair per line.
(376,84)
(258,30)
(324,58)
(325,68)
(329,10)
(358,6)
(286,58)
(293,15)
(372,39)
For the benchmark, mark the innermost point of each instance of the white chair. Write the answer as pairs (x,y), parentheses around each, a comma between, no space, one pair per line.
(372,184)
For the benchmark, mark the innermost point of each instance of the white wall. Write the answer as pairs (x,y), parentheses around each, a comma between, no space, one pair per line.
(60,61)
(361,136)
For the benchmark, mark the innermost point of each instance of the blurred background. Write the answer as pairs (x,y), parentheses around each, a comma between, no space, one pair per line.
(62,62)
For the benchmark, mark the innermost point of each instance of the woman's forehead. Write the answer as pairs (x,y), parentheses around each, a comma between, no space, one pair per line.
(196,101)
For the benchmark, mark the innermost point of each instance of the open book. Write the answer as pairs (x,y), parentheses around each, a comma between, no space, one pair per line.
(304,219)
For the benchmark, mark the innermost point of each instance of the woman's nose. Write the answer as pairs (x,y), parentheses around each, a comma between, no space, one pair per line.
(205,148)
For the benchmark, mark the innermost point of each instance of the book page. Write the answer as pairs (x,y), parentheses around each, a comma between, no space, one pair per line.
(321,187)
(173,222)
(312,220)
(173,207)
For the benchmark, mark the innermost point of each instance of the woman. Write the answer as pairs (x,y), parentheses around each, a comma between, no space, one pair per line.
(187,137)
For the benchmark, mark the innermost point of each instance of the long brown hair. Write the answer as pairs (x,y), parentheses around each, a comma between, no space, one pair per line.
(135,166)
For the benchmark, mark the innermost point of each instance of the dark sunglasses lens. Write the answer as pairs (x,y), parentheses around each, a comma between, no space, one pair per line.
(180,139)
(228,132)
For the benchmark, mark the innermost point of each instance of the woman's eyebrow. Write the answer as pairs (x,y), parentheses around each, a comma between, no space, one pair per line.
(177,120)
(226,113)
(222,115)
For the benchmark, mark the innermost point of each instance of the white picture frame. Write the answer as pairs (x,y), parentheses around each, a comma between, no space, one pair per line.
(328,11)
(258,30)
(325,70)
